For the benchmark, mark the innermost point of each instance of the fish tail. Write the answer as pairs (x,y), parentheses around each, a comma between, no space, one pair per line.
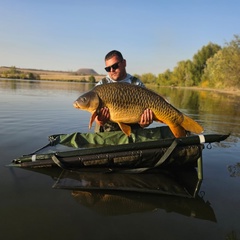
(187,124)
(190,125)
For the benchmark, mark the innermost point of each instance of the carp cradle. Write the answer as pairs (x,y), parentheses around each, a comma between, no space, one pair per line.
(144,150)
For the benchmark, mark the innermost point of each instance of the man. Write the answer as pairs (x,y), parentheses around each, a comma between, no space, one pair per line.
(116,68)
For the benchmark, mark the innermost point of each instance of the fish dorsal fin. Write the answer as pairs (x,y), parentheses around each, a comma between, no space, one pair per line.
(92,118)
(125,128)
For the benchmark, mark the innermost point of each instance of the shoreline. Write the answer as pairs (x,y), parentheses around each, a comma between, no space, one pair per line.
(69,76)
(51,75)
(99,77)
(227,91)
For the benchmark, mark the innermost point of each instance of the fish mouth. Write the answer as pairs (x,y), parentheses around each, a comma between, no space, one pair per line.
(76,105)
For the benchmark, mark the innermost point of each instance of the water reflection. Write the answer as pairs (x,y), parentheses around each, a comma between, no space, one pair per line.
(217,112)
(117,194)
(15,85)
(121,193)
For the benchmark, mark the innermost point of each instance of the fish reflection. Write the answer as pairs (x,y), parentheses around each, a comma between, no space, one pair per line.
(122,193)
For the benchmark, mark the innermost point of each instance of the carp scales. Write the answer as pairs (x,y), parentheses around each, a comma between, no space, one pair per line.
(127,102)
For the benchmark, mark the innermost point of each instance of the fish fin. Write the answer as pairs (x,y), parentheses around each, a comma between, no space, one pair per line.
(178,131)
(92,118)
(190,125)
(125,128)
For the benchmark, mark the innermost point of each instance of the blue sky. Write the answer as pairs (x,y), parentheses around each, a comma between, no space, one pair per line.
(153,35)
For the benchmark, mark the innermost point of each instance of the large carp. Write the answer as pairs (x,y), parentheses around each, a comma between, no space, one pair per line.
(127,102)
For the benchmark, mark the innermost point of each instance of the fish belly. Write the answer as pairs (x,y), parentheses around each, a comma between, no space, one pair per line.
(125,115)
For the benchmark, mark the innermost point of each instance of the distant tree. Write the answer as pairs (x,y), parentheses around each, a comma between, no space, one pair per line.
(223,69)
(200,60)
(13,70)
(148,78)
(22,76)
(189,73)
(83,79)
(137,76)
(164,79)
(33,76)
(92,79)
(183,74)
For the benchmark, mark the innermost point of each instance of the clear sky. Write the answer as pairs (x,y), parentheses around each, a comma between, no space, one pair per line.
(153,35)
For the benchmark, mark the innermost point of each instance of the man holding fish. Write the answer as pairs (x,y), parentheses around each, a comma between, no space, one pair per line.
(122,101)
(116,68)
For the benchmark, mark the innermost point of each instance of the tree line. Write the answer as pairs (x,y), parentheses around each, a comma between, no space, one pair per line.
(212,66)
(14,73)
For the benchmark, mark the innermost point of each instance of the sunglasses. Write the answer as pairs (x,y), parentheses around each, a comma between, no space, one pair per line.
(114,67)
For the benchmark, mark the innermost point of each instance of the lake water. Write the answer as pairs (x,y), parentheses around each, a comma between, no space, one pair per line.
(31,209)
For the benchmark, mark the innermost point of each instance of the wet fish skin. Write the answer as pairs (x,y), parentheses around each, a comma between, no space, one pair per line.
(127,102)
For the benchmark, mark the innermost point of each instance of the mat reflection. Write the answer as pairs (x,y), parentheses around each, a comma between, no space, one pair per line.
(121,193)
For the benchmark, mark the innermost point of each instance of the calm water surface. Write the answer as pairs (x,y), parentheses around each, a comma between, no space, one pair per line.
(31,209)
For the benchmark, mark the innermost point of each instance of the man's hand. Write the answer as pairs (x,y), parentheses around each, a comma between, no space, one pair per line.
(103,116)
(146,118)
